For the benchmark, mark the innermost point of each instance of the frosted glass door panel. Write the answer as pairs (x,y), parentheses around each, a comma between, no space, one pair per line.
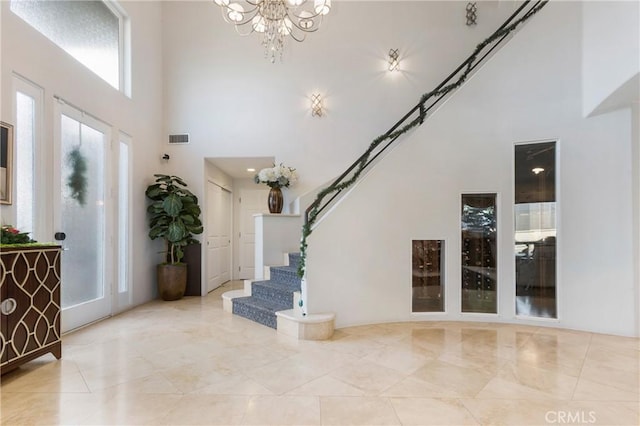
(82,212)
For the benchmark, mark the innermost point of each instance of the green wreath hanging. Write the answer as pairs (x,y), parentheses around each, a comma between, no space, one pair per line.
(77,180)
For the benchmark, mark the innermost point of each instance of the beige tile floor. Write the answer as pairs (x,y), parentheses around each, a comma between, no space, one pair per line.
(188,362)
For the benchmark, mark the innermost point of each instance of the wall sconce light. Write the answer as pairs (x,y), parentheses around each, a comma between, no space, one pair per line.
(316,105)
(471,14)
(393,59)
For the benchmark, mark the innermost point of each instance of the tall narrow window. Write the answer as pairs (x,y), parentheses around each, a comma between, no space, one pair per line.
(427,283)
(24,150)
(479,253)
(123,216)
(535,229)
(90,31)
(28,118)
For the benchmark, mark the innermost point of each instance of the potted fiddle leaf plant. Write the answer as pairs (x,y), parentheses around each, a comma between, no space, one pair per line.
(174,215)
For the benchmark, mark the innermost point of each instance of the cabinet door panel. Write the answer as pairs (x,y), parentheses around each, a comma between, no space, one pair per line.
(31,277)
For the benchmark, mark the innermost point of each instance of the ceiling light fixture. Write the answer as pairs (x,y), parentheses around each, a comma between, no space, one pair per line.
(275,19)
(251,170)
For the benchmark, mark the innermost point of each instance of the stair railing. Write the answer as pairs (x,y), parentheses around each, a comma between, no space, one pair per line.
(412,119)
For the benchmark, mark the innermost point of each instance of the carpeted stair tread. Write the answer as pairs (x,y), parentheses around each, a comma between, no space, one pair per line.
(259,310)
(278,285)
(285,274)
(274,291)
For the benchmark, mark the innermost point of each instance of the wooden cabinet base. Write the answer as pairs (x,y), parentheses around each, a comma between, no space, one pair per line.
(55,349)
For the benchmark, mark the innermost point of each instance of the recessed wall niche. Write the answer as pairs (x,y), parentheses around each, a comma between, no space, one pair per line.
(479,253)
(427,283)
(535,229)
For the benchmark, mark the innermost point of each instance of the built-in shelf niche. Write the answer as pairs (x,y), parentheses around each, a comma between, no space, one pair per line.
(427,282)
(479,253)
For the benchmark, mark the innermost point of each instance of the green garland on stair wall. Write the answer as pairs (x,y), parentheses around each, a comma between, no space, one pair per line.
(336,187)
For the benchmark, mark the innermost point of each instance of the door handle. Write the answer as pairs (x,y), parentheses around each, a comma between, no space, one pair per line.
(8,306)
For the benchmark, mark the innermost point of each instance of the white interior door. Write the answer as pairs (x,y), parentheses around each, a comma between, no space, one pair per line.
(81,212)
(218,236)
(252,201)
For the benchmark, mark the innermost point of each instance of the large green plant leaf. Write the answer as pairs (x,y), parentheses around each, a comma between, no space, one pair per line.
(172,205)
(176,231)
(154,191)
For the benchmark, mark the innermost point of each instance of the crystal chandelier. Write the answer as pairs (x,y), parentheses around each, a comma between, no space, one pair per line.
(275,19)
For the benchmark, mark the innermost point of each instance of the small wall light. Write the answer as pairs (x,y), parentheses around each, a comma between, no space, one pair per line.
(393,59)
(537,170)
(316,105)
(165,157)
(471,14)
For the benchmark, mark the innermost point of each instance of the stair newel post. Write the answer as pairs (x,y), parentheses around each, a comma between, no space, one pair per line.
(302,305)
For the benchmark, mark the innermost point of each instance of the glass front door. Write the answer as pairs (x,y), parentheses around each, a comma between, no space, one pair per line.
(82,218)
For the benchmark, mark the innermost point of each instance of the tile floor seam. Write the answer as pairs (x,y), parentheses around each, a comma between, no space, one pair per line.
(584,359)
(477,420)
(395,411)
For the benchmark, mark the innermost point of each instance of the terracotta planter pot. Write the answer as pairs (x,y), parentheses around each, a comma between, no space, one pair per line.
(172,281)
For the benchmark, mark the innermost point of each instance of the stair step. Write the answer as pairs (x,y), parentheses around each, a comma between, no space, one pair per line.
(278,292)
(285,275)
(259,310)
(294,260)
(270,296)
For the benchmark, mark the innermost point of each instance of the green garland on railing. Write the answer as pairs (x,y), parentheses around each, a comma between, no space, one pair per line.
(336,187)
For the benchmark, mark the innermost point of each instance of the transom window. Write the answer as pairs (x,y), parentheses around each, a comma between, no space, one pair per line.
(90,31)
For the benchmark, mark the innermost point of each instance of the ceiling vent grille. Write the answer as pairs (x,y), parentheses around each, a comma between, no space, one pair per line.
(179,139)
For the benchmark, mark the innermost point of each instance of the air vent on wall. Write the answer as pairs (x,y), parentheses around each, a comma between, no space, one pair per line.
(179,139)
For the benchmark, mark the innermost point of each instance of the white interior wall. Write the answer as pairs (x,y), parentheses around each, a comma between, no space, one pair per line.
(610,31)
(529,91)
(235,103)
(29,54)
(276,234)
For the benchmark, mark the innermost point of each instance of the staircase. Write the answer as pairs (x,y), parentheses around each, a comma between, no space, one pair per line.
(272,295)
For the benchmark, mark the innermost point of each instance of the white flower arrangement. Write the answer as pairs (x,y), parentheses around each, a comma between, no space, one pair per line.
(277,176)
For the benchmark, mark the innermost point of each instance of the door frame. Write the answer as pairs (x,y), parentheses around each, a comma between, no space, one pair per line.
(204,285)
(86,309)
